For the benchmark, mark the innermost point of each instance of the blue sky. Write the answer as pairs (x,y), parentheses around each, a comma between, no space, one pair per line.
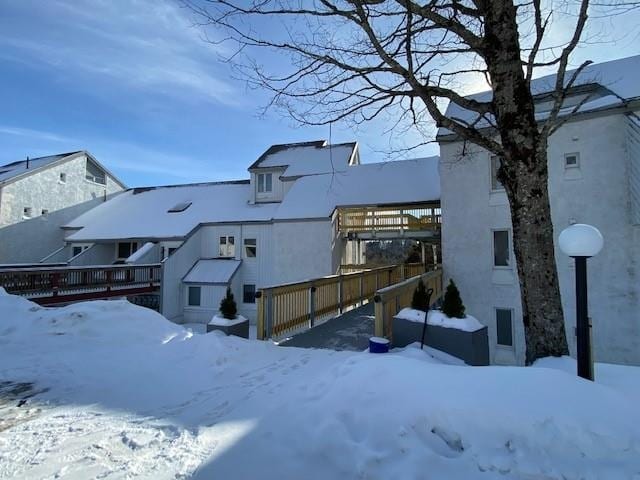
(134,83)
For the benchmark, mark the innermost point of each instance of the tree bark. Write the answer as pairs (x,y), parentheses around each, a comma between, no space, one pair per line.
(523,173)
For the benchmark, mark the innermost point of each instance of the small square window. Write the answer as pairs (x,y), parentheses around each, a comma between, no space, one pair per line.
(27,212)
(504,327)
(194,296)
(571,160)
(63,178)
(249,293)
(250,248)
(495,165)
(501,255)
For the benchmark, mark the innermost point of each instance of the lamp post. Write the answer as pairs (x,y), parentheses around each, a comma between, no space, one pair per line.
(582,241)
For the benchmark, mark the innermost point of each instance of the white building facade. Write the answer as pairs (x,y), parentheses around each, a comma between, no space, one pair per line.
(279,226)
(38,196)
(594,178)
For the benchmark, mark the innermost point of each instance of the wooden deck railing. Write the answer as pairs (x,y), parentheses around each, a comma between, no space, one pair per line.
(409,269)
(284,309)
(426,216)
(67,284)
(392,299)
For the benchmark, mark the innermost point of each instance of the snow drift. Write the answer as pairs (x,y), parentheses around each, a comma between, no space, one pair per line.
(120,391)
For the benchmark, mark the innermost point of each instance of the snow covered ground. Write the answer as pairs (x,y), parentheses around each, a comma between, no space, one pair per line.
(110,390)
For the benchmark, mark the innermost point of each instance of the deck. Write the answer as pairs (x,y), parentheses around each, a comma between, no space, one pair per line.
(49,285)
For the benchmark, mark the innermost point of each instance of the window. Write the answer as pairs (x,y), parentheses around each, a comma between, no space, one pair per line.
(504,327)
(495,165)
(126,249)
(571,160)
(265,182)
(227,246)
(501,248)
(194,296)
(249,293)
(250,247)
(95,174)
(63,178)
(27,212)
(44,211)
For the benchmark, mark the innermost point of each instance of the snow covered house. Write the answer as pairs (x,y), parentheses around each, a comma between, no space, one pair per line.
(594,178)
(280,225)
(39,195)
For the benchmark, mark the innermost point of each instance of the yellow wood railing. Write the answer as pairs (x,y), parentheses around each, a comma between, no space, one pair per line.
(284,309)
(425,216)
(390,300)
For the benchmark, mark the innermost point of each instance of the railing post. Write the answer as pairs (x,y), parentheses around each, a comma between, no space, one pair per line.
(379,316)
(55,280)
(312,305)
(260,315)
(361,288)
(269,319)
(402,272)
(109,272)
(340,294)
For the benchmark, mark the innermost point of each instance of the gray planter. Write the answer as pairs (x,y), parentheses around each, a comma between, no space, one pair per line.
(471,347)
(238,328)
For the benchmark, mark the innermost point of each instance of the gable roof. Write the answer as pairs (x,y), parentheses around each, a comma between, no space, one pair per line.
(308,158)
(21,168)
(616,79)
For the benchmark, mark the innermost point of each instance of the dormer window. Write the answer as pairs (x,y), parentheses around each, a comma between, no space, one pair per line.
(265,183)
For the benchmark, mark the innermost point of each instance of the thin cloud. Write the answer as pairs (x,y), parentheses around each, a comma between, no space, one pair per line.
(145,45)
(35,134)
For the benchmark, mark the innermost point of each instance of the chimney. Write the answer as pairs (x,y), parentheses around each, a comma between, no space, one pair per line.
(27,162)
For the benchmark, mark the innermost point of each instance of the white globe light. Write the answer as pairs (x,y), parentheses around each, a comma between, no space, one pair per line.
(581,240)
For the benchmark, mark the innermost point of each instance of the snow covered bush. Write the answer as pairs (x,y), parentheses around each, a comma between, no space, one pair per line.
(228,307)
(420,300)
(452,305)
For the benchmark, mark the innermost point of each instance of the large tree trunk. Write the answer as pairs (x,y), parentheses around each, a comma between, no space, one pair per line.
(525,177)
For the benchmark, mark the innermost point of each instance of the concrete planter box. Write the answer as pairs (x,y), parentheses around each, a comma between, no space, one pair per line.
(471,347)
(238,327)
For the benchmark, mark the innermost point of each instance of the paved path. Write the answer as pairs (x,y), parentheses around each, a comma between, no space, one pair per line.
(349,331)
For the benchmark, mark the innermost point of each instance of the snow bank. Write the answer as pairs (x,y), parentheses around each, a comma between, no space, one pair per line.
(124,392)
(439,319)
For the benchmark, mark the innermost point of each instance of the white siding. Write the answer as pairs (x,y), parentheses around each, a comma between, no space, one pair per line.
(596,193)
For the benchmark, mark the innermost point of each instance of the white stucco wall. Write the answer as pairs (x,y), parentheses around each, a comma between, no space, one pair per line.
(597,193)
(29,240)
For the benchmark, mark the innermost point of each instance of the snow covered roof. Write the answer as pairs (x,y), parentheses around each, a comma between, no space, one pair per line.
(618,80)
(308,158)
(212,271)
(403,181)
(15,169)
(144,213)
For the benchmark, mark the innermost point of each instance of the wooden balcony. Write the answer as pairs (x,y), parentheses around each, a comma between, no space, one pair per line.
(55,285)
(423,219)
